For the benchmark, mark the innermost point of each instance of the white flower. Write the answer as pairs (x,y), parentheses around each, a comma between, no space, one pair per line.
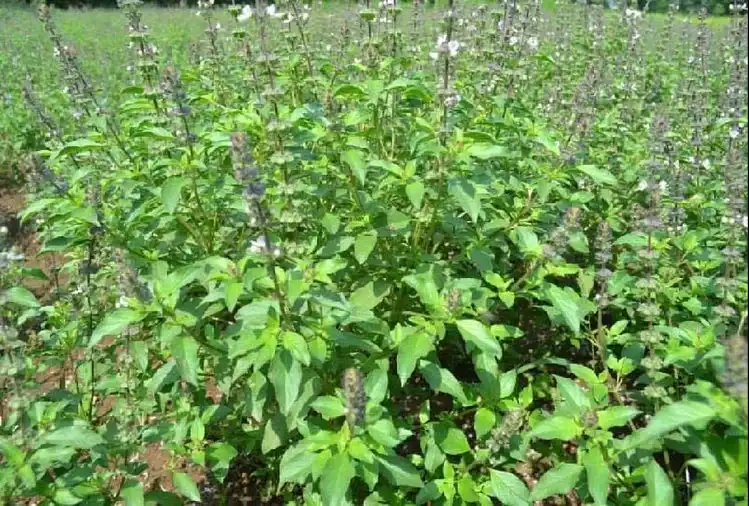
(14,256)
(245,14)
(513,40)
(272,12)
(452,101)
(532,43)
(443,46)
(258,245)
(663,186)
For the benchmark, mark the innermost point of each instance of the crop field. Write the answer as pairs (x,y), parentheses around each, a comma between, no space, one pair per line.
(373,254)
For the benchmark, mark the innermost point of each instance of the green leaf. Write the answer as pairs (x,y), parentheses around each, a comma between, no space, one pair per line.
(349,91)
(526,240)
(274,434)
(27,475)
(21,296)
(426,287)
(597,472)
(397,221)
(558,480)
(708,497)
(12,453)
(616,416)
(467,490)
(185,351)
(329,406)
(165,375)
(573,394)
(335,479)
(451,439)
(75,436)
(433,457)
(398,471)
(364,245)
(600,176)
(483,422)
(370,295)
(296,464)
(65,497)
(486,151)
(161,498)
(331,223)
(78,146)
(566,306)
(113,324)
(410,350)
(171,191)
(442,380)
(232,291)
(184,484)
(550,144)
(431,492)
(360,451)
(132,493)
(356,162)
(86,214)
(154,132)
(585,373)
(670,418)
(557,427)
(376,385)
(220,456)
(476,333)
(297,346)
(660,490)
(468,198)
(286,376)
(415,193)
(384,432)
(579,242)
(507,383)
(509,489)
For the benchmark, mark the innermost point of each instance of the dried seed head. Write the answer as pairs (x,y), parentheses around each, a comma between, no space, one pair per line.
(353,392)
(590,419)
(736,373)
(43,12)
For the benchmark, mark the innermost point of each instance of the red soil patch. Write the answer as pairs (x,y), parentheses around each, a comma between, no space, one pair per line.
(12,202)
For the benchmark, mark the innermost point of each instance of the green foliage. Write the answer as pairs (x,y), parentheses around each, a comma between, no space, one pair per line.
(307,250)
